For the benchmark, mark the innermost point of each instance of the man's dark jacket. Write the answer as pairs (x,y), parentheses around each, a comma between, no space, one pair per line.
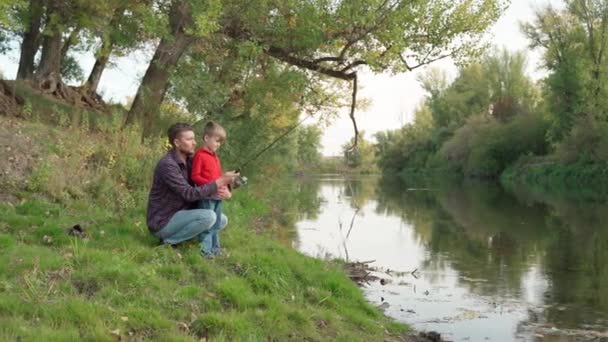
(172,190)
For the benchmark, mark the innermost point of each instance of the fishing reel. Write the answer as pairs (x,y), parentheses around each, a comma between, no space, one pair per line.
(239,181)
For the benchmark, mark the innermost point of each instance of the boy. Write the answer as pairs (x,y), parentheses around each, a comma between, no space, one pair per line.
(206,168)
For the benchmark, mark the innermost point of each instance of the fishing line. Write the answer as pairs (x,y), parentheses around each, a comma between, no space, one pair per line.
(272,143)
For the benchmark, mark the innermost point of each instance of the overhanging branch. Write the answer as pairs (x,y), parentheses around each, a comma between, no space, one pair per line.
(352,113)
(284,56)
(425,61)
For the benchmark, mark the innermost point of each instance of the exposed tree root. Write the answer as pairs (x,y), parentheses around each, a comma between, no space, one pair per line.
(10,103)
(51,85)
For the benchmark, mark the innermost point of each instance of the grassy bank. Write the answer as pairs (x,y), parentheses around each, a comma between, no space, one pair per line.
(579,180)
(584,180)
(117,283)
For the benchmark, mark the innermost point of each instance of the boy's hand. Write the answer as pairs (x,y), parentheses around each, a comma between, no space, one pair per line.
(224,193)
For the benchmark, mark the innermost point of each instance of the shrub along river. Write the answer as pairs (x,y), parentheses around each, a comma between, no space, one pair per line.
(469,260)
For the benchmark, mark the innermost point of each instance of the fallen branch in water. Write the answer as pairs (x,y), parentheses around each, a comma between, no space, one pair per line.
(360,272)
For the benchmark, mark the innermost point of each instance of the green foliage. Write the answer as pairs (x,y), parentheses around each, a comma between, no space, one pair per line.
(332,164)
(468,95)
(475,126)
(308,144)
(9,10)
(485,147)
(573,41)
(71,71)
(410,147)
(587,140)
(361,158)
(367,28)
(583,180)
(511,91)
(256,100)
(496,85)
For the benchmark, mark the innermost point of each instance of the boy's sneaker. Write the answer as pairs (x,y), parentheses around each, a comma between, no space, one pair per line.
(208,256)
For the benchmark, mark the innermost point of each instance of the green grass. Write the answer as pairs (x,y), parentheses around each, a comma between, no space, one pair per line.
(55,285)
(117,282)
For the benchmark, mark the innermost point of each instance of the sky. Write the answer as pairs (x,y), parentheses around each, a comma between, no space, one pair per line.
(393,98)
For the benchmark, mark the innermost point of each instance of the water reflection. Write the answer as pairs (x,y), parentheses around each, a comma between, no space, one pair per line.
(291,201)
(491,264)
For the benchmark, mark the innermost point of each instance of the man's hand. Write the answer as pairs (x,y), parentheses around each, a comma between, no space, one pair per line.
(226,179)
(224,193)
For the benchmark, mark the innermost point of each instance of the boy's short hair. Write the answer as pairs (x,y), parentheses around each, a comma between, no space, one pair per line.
(176,129)
(212,128)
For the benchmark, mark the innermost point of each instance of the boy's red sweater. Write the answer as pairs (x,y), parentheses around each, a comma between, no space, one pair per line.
(206,167)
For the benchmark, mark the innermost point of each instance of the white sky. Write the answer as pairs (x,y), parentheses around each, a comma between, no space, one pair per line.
(393,97)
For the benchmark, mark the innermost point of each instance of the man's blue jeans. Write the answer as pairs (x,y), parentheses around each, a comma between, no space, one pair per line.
(192,224)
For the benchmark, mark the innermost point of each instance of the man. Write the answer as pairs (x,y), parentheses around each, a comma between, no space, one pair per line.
(169,215)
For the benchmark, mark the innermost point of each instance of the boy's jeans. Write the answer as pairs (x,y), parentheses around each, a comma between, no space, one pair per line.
(189,224)
(210,243)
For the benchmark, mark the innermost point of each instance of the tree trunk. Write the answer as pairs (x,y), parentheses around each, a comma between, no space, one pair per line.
(103,54)
(50,60)
(154,85)
(30,43)
(93,81)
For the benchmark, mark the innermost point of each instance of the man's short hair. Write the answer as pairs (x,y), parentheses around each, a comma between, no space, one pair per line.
(212,128)
(176,129)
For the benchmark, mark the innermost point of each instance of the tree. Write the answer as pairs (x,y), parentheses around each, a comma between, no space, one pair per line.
(511,91)
(130,24)
(467,95)
(54,27)
(309,142)
(334,39)
(183,30)
(32,18)
(574,41)
(363,158)
(486,94)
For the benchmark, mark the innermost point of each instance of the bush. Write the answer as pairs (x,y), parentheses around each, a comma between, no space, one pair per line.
(587,140)
(484,147)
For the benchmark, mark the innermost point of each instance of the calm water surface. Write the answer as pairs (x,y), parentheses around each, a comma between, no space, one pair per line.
(490,265)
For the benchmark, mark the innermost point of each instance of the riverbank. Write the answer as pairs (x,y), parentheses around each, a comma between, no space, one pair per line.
(582,180)
(114,281)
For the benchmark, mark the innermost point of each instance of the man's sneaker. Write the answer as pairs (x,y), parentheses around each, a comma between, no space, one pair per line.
(162,243)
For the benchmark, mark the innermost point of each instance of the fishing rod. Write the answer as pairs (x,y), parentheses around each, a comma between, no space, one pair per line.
(272,143)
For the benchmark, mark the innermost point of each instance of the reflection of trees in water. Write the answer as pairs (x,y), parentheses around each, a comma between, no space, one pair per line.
(290,200)
(489,234)
(358,191)
(576,257)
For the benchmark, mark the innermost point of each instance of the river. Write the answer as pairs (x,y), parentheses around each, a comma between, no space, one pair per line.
(469,260)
